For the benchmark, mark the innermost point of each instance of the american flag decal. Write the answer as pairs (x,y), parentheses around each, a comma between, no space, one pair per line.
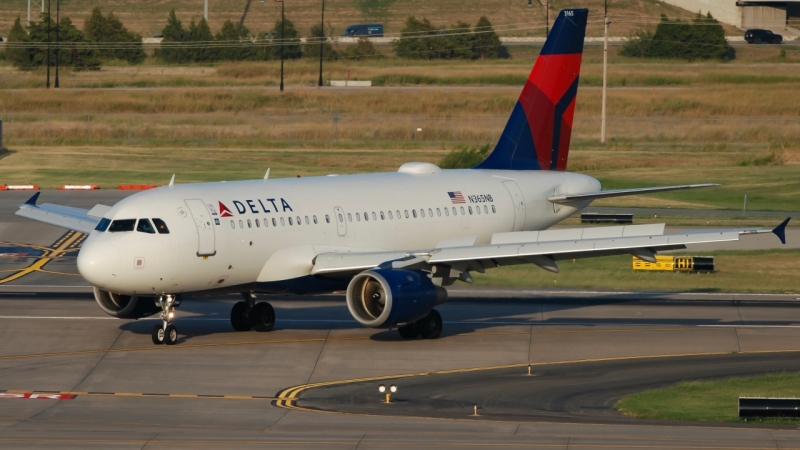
(456,197)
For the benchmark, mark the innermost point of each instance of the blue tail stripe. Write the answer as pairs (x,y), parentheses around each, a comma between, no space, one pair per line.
(516,136)
(561,106)
(567,34)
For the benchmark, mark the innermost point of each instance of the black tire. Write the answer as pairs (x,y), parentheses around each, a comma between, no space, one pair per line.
(239,319)
(757,41)
(158,334)
(171,335)
(408,331)
(430,326)
(262,317)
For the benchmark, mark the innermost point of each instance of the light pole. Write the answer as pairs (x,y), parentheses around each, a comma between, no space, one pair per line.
(48,44)
(321,42)
(606,22)
(205,10)
(283,39)
(546,16)
(58,37)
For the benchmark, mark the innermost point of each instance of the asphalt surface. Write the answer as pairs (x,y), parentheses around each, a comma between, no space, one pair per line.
(221,388)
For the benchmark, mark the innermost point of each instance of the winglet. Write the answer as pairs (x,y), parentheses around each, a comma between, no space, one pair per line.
(266,175)
(172,180)
(32,201)
(780,230)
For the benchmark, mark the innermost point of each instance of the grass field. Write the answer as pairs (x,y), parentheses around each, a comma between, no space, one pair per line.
(711,401)
(736,271)
(511,18)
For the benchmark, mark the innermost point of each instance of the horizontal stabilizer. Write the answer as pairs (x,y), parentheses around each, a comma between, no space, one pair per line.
(61,216)
(566,198)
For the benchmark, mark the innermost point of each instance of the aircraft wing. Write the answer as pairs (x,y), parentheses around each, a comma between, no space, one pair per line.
(542,248)
(77,219)
(566,198)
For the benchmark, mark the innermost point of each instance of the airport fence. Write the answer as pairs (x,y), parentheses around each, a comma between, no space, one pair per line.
(390,131)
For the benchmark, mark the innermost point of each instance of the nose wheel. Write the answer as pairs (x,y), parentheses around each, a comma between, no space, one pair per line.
(248,314)
(166,333)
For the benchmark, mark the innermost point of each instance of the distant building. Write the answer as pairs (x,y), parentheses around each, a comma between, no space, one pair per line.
(743,13)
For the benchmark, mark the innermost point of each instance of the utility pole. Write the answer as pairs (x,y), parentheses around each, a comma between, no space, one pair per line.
(283,39)
(58,37)
(321,42)
(48,44)
(205,10)
(32,4)
(606,22)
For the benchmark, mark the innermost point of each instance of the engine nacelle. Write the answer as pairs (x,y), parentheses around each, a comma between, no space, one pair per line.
(385,298)
(125,306)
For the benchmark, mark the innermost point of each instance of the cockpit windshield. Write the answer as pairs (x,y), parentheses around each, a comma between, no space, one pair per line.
(103,224)
(161,226)
(144,226)
(122,225)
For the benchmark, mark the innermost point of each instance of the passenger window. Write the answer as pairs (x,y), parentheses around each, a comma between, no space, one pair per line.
(493,209)
(283,222)
(290,221)
(446,212)
(161,227)
(478,209)
(455,211)
(299,222)
(438,212)
(144,226)
(485,209)
(103,224)
(249,224)
(358,217)
(118,226)
(470,210)
(349,217)
(414,212)
(398,213)
(366,217)
(382,216)
(233,224)
(315,220)
(422,212)
(341,219)
(374,217)
(462,211)
(430,212)
(274,222)
(258,224)
(390,215)
(241,224)
(307,220)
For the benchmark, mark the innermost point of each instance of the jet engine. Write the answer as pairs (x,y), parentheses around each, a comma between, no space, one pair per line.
(125,306)
(385,298)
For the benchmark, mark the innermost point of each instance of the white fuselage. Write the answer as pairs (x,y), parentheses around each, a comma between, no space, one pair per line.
(276,227)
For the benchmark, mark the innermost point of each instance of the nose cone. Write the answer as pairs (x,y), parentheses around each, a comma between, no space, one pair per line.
(98,263)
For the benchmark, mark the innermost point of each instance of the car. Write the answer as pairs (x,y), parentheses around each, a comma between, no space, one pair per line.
(758,36)
(158,36)
(1,39)
(364,29)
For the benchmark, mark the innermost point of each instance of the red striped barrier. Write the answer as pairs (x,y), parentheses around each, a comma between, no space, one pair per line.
(19,187)
(78,187)
(136,187)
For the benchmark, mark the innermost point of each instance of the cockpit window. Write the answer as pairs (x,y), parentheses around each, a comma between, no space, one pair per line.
(161,226)
(122,225)
(144,226)
(103,224)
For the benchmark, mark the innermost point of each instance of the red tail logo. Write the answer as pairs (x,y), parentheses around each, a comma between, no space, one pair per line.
(224,211)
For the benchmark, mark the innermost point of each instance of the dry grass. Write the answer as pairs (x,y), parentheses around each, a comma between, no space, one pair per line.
(148,17)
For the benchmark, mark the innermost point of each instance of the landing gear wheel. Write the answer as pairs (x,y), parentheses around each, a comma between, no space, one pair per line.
(262,317)
(158,334)
(430,326)
(239,319)
(171,335)
(409,331)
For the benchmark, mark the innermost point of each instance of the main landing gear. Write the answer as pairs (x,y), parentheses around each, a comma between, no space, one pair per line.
(249,314)
(428,327)
(166,333)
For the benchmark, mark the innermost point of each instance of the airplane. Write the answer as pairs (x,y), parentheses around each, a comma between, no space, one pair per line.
(394,241)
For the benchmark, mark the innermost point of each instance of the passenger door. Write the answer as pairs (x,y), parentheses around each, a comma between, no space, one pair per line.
(339,217)
(205,227)
(519,204)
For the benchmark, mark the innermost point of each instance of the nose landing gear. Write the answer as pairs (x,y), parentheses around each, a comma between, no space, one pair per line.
(248,314)
(166,333)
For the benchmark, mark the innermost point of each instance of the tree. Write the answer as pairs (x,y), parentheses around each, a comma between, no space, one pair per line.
(20,56)
(487,42)
(234,43)
(462,41)
(702,38)
(202,48)
(127,45)
(415,39)
(362,49)
(311,48)
(290,41)
(174,35)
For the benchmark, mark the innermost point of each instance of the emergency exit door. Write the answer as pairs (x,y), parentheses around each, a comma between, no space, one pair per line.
(519,204)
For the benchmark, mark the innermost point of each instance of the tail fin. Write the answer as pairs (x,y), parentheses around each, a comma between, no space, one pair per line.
(537,134)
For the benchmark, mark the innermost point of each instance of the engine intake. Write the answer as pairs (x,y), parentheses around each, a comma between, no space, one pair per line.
(385,298)
(125,306)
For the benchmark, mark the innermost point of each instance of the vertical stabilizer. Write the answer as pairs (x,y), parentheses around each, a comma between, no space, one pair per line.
(538,132)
